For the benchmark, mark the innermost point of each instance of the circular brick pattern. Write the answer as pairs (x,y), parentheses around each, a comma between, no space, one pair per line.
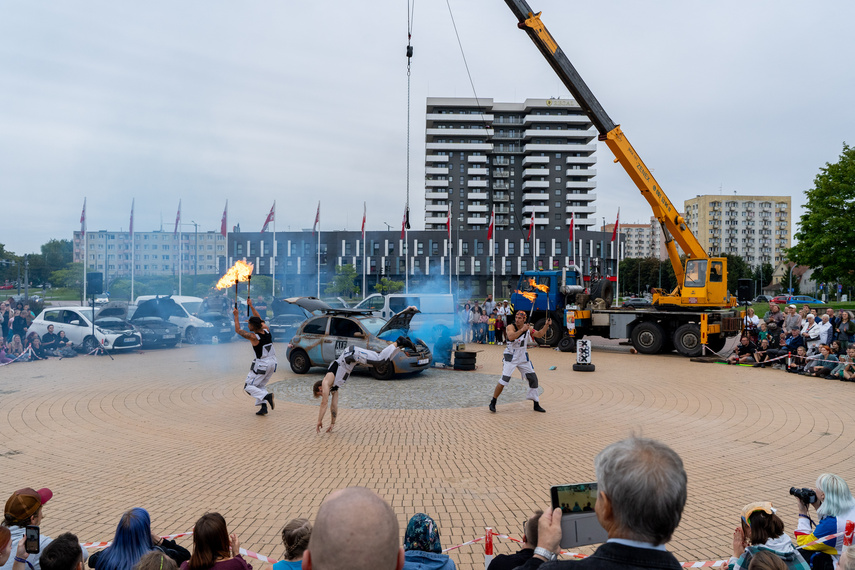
(433,389)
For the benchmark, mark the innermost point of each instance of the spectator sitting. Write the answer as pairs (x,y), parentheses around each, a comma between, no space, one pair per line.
(743,353)
(295,538)
(847,559)
(751,323)
(24,508)
(810,332)
(422,548)
(799,362)
(793,320)
(62,554)
(763,332)
(5,545)
(824,365)
(765,560)
(16,349)
(836,350)
(763,530)
(50,342)
(3,358)
(641,495)
(337,544)
(213,547)
(790,346)
(834,506)
(762,354)
(774,318)
(36,350)
(529,542)
(848,372)
(66,347)
(133,539)
(156,560)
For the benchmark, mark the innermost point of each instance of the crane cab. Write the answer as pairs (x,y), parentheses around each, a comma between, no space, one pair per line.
(705,283)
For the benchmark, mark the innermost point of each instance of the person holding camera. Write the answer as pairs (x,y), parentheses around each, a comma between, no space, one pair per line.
(834,505)
(640,500)
(763,530)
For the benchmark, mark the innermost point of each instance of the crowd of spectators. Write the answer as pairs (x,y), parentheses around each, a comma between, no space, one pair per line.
(18,344)
(485,323)
(642,490)
(799,341)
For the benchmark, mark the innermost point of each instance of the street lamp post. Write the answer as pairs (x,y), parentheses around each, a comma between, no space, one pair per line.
(196,254)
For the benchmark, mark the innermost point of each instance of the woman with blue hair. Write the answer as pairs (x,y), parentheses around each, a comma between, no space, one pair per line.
(422,548)
(132,541)
(834,505)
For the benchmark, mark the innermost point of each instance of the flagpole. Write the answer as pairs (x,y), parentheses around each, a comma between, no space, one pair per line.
(85,250)
(534,244)
(406,261)
(363,250)
(273,271)
(180,256)
(617,273)
(132,252)
(319,257)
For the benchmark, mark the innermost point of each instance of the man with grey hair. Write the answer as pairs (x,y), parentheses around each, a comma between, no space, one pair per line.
(355,530)
(640,499)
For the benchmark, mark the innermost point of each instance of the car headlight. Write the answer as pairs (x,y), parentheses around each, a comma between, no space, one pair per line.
(208,325)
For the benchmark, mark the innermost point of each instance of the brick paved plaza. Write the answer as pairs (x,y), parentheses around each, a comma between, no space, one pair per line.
(172,431)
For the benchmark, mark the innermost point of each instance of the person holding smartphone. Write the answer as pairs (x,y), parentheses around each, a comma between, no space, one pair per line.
(25,509)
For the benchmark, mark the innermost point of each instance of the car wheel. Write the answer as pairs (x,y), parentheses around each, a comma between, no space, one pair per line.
(647,338)
(90,343)
(191,335)
(687,340)
(300,362)
(383,371)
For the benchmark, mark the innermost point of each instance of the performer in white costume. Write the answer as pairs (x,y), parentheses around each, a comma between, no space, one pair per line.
(264,365)
(515,357)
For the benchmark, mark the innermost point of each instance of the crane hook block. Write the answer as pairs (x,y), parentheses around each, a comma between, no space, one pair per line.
(409,51)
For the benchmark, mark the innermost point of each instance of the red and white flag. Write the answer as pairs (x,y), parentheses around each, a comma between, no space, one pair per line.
(405,223)
(492,225)
(224,222)
(364,211)
(83,218)
(317,218)
(131,227)
(177,219)
(530,226)
(617,225)
(448,223)
(270,217)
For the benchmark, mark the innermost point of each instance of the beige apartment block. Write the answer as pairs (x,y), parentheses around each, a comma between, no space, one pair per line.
(643,240)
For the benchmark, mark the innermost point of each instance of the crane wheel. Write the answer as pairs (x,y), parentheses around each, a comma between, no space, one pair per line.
(687,340)
(647,338)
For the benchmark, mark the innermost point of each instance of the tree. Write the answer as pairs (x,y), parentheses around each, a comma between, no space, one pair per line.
(737,268)
(639,275)
(763,274)
(386,286)
(71,277)
(344,282)
(826,233)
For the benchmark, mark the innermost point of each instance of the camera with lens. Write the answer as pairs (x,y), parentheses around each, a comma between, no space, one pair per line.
(805,495)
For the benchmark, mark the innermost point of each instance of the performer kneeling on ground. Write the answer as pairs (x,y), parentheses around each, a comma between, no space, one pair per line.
(339,371)
(264,365)
(519,336)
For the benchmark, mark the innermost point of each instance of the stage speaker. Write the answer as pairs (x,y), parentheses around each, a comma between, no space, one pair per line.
(744,289)
(94,283)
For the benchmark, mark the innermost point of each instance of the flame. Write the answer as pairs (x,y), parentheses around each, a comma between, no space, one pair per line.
(240,271)
(530,295)
(533,283)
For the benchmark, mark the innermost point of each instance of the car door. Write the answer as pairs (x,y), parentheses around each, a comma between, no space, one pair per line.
(312,339)
(343,333)
(76,327)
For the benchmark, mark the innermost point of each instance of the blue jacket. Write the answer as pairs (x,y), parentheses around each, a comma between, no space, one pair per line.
(419,560)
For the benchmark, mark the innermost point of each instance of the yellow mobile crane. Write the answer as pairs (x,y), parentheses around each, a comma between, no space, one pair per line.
(697,311)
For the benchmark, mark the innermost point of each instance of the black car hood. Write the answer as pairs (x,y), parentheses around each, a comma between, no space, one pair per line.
(213,317)
(162,307)
(400,321)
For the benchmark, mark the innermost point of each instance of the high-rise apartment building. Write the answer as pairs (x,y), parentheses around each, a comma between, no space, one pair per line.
(757,228)
(643,240)
(512,158)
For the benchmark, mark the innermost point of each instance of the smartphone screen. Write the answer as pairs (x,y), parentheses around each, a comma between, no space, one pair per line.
(577,498)
(32,543)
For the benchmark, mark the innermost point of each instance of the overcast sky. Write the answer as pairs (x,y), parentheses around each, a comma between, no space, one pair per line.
(254,101)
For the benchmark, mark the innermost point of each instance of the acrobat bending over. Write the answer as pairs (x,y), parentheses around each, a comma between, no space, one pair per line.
(339,371)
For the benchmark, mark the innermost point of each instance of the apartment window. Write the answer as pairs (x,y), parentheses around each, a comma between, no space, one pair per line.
(507,266)
(461,178)
(557,204)
(479,247)
(558,191)
(557,217)
(511,248)
(526,248)
(558,248)
(477,266)
(461,169)
(558,168)
(464,248)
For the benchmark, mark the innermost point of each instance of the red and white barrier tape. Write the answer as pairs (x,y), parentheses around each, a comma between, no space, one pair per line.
(27,351)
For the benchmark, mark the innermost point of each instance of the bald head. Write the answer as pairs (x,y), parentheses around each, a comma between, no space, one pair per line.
(357,530)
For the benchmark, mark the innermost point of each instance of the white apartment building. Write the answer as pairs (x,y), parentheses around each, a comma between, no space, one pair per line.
(512,158)
(757,228)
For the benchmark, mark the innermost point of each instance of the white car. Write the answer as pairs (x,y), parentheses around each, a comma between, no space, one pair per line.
(181,310)
(78,327)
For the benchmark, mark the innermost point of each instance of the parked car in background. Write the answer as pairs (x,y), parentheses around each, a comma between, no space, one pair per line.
(154,330)
(780,299)
(762,299)
(82,327)
(323,337)
(636,303)
(437,309)
(336,302)
(805,300)
(285,324)
(180,310)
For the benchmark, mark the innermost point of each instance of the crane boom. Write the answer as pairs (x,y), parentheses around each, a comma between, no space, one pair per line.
(668,216)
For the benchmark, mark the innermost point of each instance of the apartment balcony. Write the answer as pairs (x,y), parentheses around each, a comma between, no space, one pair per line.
(581,222)
(431,158)
(500,196)
(464,146)
(477,208)
(529,172)
(559,147)
(588,197)
(562,133)
(501,210)
(535,197)
(459,132)
(501,162)
(535,184)
(507,135)
(585,184)
(566,119)
(436,208)
(535,160)
(436,183)
(503,221)
(476,221)
(508,121)
(476,158)
(442,170)
(436,195)
(477,171)
(580,209)
(581,172)
(459,117)
(476,183)
(501,173)
(478,196)
(590,160)
(527,210)
(501,186)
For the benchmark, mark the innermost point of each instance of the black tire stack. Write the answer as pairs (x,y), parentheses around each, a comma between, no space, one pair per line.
(464,360)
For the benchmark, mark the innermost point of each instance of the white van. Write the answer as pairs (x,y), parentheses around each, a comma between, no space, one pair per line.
(183,313)
(437,308)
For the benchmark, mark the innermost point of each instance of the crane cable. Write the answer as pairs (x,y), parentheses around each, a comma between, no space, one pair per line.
(411,7)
